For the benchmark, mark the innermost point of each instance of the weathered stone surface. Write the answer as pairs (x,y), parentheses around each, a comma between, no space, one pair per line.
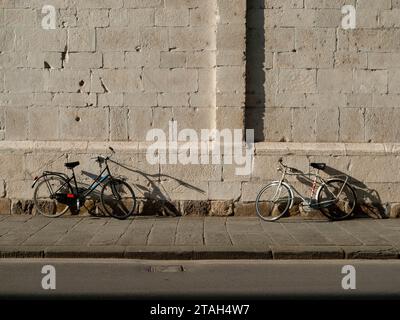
(196,208)
(221,208)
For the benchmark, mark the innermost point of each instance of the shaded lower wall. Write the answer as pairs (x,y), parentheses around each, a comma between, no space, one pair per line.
(212,189)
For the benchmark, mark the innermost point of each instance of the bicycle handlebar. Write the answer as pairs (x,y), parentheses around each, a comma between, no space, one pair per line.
(100,159)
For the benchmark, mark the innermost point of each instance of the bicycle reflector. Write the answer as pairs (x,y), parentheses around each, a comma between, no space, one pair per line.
(70,196)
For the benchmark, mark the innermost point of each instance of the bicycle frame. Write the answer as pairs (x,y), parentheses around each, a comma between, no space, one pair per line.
(317,180)
(101,178)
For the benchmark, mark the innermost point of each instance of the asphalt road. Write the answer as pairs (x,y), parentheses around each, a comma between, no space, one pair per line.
(205,279)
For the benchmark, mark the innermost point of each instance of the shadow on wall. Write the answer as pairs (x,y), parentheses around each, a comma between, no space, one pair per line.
(153,198)
(255,70)
(369,201)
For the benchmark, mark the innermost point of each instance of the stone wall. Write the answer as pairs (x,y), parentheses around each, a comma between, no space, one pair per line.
(113,69)
(309,80)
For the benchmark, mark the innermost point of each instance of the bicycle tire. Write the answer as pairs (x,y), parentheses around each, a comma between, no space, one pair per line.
(266,208)
(339,210)
(113,196)
(42,204)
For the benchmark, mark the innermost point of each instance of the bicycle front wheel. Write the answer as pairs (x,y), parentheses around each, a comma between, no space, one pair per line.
(45,196)
(337,199)
(273,201)
(118,199)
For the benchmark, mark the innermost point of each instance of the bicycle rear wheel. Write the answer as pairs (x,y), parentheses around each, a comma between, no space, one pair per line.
(44,196)
(337,206)
(118,199)
(273,201)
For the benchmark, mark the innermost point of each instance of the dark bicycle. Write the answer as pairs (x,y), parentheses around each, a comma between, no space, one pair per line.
(56,192)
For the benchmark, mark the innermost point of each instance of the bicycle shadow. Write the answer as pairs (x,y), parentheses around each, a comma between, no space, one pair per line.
(369,202)
(154,198)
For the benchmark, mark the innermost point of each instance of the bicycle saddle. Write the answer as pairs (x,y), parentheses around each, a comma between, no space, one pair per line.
(319,166)
(71,165)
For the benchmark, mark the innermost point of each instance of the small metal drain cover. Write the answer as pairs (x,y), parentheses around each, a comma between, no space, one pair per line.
(170,269)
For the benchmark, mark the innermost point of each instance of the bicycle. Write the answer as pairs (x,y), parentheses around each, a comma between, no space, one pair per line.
(56,192)
(335,197)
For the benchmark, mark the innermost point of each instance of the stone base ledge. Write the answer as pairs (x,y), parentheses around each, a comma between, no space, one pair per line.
(261,148)
(199,208)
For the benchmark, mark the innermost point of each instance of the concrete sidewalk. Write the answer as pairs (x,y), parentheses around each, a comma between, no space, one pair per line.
(197,238)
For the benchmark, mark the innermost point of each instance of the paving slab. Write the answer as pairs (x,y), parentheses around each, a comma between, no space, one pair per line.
(163,232)
(197,238)
(138,232)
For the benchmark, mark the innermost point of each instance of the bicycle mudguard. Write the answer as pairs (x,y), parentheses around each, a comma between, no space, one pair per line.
(48,173)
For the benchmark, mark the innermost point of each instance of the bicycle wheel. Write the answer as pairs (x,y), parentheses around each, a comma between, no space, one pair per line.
(273,201)
(44,196)
(337,206)
(118,199)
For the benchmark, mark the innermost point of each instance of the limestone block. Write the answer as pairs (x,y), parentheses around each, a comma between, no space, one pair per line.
(117,39)
(84,124)
(84,39)
(66,81)
(143,58)
(185,190)
(379,125)
(116,81)
(16,123)
(229,58)
(221,208)
(316,39)
(304,60)
(73,99)
(224,190)
(84,60)
(278,40)
(12,166)
(113,60)
(5,206)
(140,99)
(168,17)
(232,11)
(92,18)
(371,4)
(328,18)
(191,38)
(278,124)
(230,79)
(154,38)
(43,123)
(143,3)
(327,4)
(230,117)
(335,80)
(394,77)
(327,125)
(204,15)
(175,80)
(297,81)
(352,125)
(304,124)
(383,60)
(99,3)
(370,81)
(231,37)
(173,99)
(119,124)
(139,122)
(386,101)
(351,60)
(173,59)
(24,80)
(110,100)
